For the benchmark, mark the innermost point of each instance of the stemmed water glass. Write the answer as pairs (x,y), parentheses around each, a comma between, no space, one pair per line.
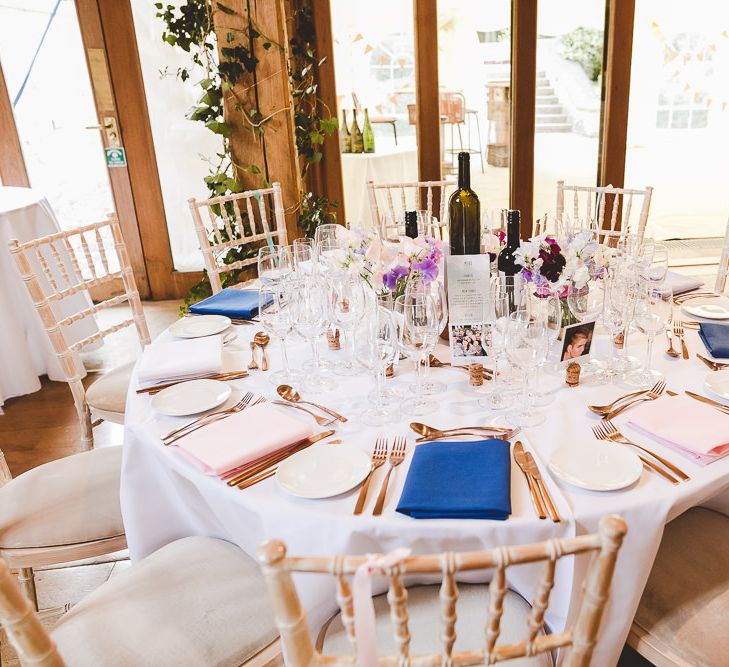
(419,331)
(383,348)
(618,307)
(494,336)
(311,320)
(277,318)
(653,310)
(435,290)
(524,350)
(586,304)
(275,264)
(304,252)
(348,302)
(657,270)
(547,310)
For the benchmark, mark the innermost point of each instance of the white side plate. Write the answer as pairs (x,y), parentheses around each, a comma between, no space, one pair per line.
(197,326)
(323,471)
(189,398)
(718,382)
(596,466)
(710,308)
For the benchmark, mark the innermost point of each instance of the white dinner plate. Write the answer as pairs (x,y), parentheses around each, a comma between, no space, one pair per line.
(597,466)
(189,398)
(323,471)
(199,325)
(718,382)
(710,308)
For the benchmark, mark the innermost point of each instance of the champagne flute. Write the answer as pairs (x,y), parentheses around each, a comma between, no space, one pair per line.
(653,311)
(523,353)
(418,336)
(348,302)
(311,320)
(547,310)
(276,314)
(304,256)
(435,290)
(495,335)
(383,348)
(617,311)
(586,305)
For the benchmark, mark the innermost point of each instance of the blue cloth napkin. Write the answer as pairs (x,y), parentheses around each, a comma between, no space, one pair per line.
(241,304)
(716,339)
(458,480)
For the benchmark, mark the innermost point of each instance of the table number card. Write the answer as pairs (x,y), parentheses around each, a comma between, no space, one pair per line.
(468,284)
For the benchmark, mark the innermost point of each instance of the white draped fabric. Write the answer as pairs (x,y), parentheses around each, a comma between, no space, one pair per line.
(25,351)
(395,165)
(164,498)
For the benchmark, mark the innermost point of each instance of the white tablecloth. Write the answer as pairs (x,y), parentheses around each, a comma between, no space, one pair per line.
(396,165)
(25,350)
(164,498)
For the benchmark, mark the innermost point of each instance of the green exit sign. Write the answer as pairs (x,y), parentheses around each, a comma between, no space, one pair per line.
(115,157)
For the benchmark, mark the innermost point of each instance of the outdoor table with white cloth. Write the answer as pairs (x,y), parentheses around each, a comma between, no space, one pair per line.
(25,350)
(165,498)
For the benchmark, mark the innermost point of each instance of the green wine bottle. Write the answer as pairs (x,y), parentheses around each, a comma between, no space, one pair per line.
(464,213)
(357,139)
(368,136)
(345,137)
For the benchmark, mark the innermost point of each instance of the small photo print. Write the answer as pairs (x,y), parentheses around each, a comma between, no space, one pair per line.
(577,340)
(469,340)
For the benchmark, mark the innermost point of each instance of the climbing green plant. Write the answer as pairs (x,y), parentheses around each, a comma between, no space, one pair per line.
(584,46)
(221,67)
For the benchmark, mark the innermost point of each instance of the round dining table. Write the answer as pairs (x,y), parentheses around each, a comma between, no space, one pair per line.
(164,497)
(25,349)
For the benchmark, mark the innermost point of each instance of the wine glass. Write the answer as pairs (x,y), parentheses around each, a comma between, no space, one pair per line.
(547,310)
(436,290)
(418,336)
(311,320)
(276,314)
(347,301)
(494,336)
(383,348)
(524,350)
(653,311)
(657,270)
(328,232)
(586,304)
(304,256)
(618,307)
(275,264)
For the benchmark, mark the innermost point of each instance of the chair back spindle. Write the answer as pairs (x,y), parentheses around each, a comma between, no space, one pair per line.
(723,269)
(227,228)
(579,640)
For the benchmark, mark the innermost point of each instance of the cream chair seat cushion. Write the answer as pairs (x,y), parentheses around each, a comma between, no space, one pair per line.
(195,602)
(108,393)
(425,624)
(68,501)
(685,605)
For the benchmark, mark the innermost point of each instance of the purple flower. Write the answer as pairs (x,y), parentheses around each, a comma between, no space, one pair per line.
(427,268)
(391,277)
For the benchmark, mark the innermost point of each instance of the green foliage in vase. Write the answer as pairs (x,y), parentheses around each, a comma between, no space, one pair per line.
(584,46)
(189,25)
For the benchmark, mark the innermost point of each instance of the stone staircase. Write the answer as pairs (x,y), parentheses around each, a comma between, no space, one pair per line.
(550,115)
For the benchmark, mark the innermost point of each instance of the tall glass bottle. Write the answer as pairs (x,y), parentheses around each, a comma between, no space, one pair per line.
(368,136)
(411,224)
(345,137)
(357,139)
(507,258)
(464,213)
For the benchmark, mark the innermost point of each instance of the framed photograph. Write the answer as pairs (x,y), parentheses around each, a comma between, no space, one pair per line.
(468,342)
(576,342)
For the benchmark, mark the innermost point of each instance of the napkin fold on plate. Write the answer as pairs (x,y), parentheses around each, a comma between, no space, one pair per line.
(179,359)
(239,304)
(681,284)
(685,425)
(715,338)
(458,480)
(242,438)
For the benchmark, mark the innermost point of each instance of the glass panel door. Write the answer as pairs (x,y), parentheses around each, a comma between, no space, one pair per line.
(48,84)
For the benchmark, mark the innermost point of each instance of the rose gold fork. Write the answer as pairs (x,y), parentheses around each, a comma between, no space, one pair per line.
(379,456)
(397,456)
(204,419)
(655,392)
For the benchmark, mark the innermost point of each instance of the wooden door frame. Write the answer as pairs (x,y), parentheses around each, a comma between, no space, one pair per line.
(12,162)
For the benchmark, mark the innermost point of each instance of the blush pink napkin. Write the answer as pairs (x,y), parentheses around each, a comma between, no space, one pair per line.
(243,437)
(686,425)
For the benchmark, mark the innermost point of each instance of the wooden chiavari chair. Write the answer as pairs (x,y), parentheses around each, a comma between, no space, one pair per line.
(386,210)
(723,269)
(71,262)
(197,601)
(300,650)
(228,228)
(596,200)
